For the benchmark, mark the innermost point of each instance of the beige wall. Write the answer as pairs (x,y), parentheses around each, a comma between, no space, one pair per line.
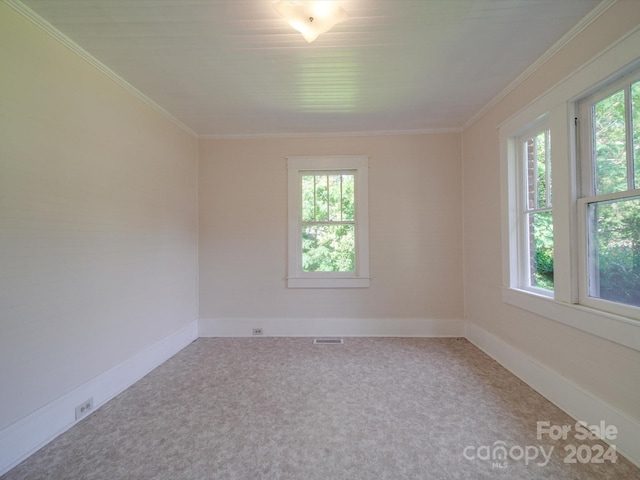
(97,221)
(605,369)
(415,229)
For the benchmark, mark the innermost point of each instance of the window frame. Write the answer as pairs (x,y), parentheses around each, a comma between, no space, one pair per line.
(589,195)
(352,164)
(560,104)
(524,210)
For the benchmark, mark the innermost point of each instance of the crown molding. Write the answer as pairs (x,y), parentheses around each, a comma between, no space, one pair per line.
(373,133)
(591,17)
(40,22)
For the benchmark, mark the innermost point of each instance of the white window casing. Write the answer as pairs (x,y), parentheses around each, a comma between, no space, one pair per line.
(358,165)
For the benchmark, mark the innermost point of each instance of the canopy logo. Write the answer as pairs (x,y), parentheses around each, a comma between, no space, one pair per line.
(499,453)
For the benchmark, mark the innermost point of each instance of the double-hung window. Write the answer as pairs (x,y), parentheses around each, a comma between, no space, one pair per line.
(609,210)
(535,227)
(328,222)
(571,200)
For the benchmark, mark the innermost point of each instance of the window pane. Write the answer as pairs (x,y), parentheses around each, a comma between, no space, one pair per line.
(328,197)
(322,194)
(614,250)
(635,95)
(610,144)
(348,198)
(538,171)
(541,249)
(328,248)
(532,194)
(541,156)
(335,198)
(308,196)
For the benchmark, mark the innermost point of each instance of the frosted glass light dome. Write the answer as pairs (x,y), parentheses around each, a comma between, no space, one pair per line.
(311,18)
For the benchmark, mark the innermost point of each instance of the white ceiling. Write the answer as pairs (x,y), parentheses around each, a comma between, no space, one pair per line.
(235,68)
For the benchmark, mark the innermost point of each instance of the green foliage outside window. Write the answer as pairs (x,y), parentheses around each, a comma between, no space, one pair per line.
(540,219)
(543,248)
(611,145)
(615,231)
(328,229)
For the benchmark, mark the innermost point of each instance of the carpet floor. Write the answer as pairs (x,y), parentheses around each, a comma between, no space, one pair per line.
(283,408)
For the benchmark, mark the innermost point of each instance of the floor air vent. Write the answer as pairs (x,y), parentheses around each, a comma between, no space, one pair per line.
(328,341)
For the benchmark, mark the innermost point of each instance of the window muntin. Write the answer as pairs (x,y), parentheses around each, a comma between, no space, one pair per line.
(536,224)
(328,222)
(610,207)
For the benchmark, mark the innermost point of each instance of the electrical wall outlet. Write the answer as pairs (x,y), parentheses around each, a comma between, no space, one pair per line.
(257,331)
(84,408)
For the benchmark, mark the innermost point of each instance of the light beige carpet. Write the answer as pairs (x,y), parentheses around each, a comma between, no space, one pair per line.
(284,408)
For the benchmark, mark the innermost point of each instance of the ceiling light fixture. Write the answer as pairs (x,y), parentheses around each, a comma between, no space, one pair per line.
(311,18)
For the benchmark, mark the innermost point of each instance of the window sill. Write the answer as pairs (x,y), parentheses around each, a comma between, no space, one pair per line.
(328,282)
(605,325)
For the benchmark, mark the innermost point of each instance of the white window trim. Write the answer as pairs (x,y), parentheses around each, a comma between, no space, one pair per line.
(559,104)
(589,196)
(522,242)
(297,278)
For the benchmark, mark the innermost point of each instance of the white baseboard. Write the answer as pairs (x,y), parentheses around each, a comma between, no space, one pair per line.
(331,327)
(573,399)
(31,433)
